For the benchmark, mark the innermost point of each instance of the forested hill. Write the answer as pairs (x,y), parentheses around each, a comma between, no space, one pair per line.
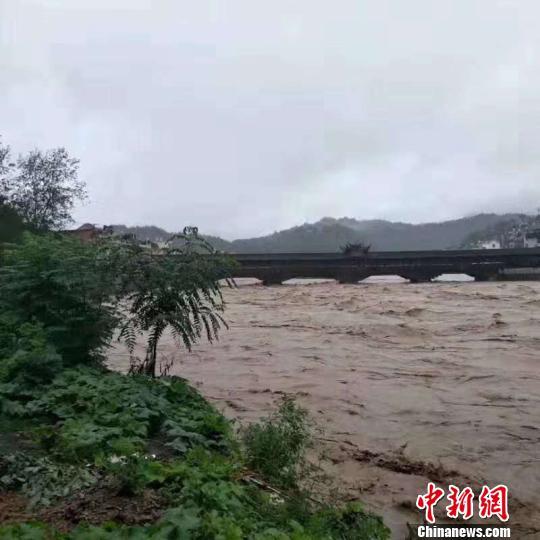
(329,234)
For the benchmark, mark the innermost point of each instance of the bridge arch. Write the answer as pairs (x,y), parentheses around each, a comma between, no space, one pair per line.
(384,278)
(454,277)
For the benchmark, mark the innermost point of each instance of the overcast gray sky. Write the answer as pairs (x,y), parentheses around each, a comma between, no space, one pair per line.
(248,116)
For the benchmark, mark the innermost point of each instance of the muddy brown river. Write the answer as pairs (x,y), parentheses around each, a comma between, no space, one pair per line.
(409,382)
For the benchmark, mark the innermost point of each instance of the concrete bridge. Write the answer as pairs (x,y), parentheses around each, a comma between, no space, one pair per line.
(416,266)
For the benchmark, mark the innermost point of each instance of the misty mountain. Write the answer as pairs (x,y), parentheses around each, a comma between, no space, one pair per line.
(329,234)
(390,236)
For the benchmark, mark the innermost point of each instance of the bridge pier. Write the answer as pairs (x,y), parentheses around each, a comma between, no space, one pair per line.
(267,282)
(485,277)
(419,277)
(351,277)
(272,280)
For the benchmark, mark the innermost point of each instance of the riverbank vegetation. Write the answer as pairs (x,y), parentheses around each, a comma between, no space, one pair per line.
(87,453)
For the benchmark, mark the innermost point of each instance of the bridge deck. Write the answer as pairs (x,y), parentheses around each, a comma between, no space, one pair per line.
(413,265)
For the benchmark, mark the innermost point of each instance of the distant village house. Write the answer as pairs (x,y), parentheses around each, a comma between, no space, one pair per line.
(88,232)
(490,244)
(532,239)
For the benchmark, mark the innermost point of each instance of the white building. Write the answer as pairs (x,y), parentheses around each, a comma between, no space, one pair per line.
(532,239)
(490,244)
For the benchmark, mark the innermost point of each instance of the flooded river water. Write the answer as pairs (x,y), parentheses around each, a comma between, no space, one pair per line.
(410,383)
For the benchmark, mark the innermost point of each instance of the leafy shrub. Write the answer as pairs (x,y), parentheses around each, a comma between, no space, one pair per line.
(276,447)
(26,358)
(351,523)
(66,287)
(96,412)
(41,479)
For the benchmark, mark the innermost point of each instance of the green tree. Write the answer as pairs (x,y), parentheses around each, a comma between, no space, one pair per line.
(176,290)
(5,167)
(66,287)
(42,187)
(11,224)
